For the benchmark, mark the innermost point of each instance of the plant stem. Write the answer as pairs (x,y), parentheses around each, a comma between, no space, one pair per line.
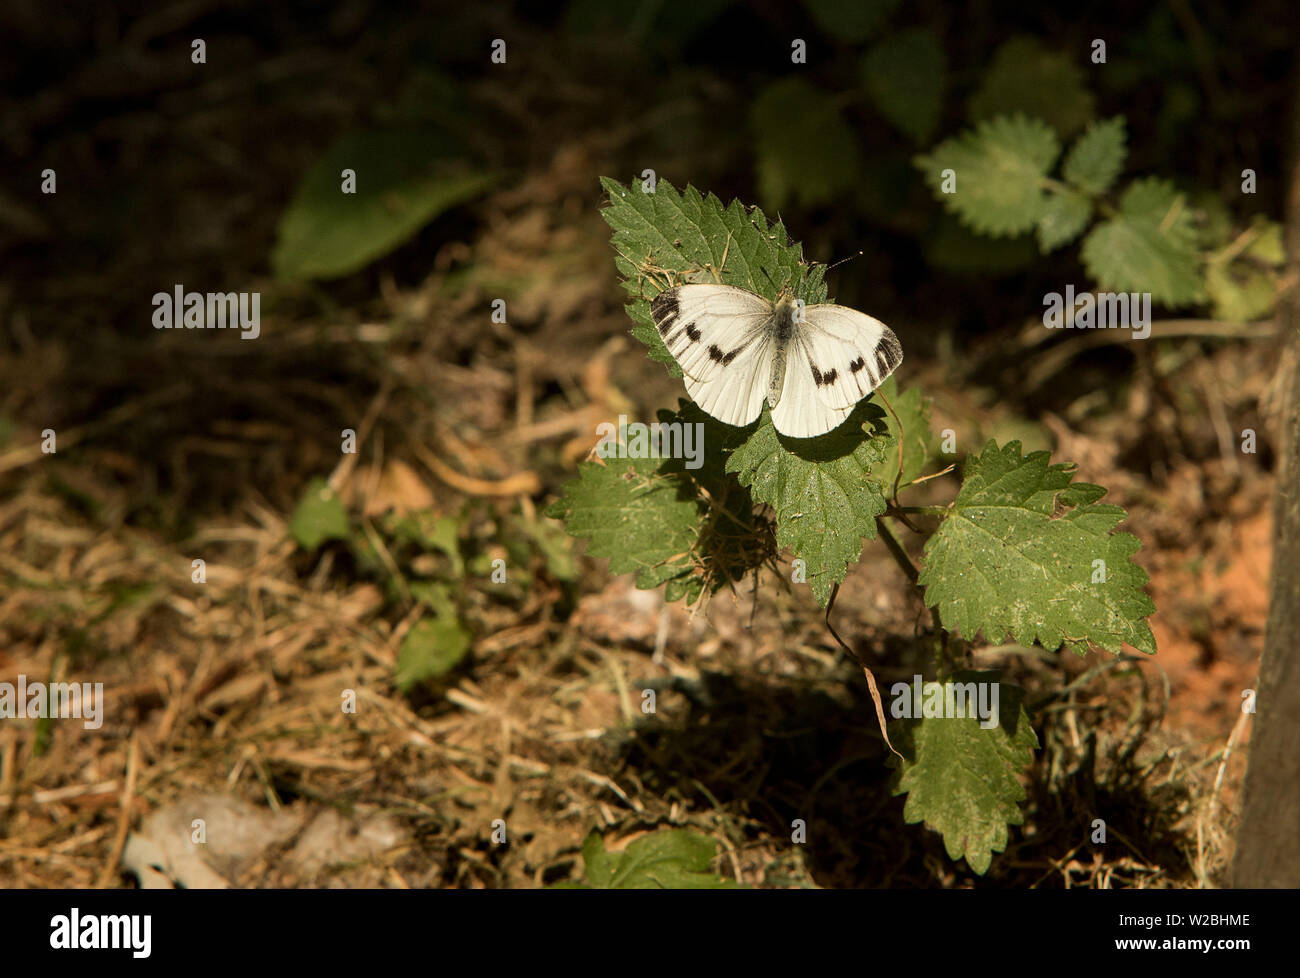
(896,550)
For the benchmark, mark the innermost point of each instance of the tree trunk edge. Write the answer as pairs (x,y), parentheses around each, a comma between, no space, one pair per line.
(1268,834)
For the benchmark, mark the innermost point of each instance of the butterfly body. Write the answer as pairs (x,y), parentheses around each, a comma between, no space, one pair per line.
(784,316)
(737,349)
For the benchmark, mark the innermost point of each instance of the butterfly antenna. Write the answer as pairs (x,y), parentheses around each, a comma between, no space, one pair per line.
(843,260)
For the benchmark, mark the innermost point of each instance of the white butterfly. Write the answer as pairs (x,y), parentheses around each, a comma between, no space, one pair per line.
(811,363)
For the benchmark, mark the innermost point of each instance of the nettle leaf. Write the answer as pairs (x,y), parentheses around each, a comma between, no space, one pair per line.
(1064,217)
(822,490)
(787,117)
(918,444)
(682,232)
(681,521)
(960,778)
(635,515)
(1000,167)
(1027,77)
(1149,246)
(404,179)
(670,859)
(905,75)
(1095,159)
(1023,551)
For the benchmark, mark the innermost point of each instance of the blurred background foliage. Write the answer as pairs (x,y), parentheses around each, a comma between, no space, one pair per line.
(704,93)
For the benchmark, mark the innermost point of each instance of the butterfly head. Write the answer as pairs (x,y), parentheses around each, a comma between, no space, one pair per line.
(788,309)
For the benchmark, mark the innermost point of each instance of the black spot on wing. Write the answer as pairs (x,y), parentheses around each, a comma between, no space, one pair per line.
(717,356)
(824,379)
(889,354)
(665,310)
(692,332)
(857,365)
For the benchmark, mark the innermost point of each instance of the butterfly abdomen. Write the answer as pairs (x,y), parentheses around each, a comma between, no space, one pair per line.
(783,323)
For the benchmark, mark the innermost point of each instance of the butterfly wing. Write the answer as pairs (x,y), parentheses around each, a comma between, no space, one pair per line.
(837,356)
(721,337)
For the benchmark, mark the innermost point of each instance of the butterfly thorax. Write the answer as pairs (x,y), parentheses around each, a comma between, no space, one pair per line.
(785,314)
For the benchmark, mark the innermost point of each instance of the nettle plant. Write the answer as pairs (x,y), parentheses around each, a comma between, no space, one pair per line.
(1147,238)
(1022,550)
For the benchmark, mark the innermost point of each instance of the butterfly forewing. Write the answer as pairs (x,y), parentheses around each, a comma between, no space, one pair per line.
(847,354)
(720,337)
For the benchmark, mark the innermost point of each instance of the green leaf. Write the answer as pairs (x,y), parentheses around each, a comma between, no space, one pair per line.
(960,778)
(436,595)
(905,75)
(918,443)
(1241,282)
(1213,220)
(554,545)
(691,529)
(683,232)
(1239,292)
(1000,167)
(851,23)
(430,532)
(1063,219)
(1018,553)
(634,514)
(822,490)
(319,516)
(1027,77)
(404,178)
(1149,246)
(788,118)
(432,648)
(670,859)
(1095,159)
(1267,246)
(598,863)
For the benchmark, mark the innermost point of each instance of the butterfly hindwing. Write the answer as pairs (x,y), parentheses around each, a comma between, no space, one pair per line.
(722,339)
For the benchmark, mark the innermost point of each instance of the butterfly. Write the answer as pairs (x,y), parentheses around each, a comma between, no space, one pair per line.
(812,364)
